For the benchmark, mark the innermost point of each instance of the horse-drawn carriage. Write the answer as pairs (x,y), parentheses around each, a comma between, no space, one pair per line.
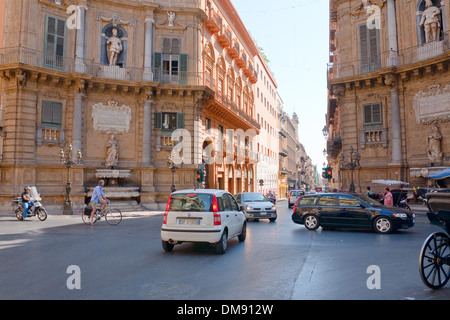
(434,262)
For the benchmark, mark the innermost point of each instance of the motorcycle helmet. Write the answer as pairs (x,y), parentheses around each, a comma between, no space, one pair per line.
(26,188)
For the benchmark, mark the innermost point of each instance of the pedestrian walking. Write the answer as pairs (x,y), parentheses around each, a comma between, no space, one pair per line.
(388,198)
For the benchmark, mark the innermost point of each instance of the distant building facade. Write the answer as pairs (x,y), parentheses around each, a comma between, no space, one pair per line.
(153,76)
(388,82)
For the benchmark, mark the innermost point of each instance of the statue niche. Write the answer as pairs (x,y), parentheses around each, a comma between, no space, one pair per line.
(429,21)
(114,45)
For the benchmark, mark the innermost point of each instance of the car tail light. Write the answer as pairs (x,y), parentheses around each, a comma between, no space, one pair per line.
(167,210)
(215,210)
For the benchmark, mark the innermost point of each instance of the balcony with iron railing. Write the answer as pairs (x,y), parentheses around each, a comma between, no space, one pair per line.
(405,57)
(34,58)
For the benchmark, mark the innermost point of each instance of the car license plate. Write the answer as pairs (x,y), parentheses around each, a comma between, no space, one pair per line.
(189,221)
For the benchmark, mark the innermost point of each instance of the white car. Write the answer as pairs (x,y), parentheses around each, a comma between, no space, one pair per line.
(202,215)
(293,196)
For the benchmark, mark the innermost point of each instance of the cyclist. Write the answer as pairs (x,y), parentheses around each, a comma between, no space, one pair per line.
(98,200)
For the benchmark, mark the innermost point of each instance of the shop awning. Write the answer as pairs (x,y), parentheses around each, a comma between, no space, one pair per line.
(440,174)
(391,183)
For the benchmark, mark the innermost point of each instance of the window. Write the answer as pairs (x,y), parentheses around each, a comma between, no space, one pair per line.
(307,201)
(372,114)
(220,138)
(369,48)
(55,31)
(168,120)
(171,62)
(51,114)
(346,201)
(327,200)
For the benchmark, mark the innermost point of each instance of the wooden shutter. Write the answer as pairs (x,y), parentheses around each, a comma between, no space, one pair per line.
(157,120)
(369,48)
(183,68)
(180,120)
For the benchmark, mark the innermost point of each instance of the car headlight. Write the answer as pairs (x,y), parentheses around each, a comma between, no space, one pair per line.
(274,208)
(248,208)
(400,215)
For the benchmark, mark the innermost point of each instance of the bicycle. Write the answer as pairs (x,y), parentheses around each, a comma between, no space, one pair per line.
(112,216)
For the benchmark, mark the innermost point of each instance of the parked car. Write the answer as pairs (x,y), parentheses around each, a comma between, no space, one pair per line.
(257,206)
(293,196)
(202,215)
(336,210)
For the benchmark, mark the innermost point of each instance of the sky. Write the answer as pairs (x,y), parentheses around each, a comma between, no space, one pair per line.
(294,36)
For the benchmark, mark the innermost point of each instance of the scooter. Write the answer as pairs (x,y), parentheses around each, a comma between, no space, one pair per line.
(37,209)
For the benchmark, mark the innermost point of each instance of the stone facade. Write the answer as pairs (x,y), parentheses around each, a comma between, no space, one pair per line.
(388,90)
(132,68)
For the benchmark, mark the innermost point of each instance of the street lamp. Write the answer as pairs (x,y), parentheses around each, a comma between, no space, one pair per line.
(173,167)
(66,159)
(325,131)
(354,162)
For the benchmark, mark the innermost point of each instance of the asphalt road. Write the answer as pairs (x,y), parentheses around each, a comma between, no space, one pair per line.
(278,261)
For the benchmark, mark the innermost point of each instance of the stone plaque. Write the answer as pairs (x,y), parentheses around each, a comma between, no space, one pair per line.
(432,104)
(111,117)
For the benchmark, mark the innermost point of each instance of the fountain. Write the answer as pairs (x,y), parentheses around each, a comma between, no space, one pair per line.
(120,195)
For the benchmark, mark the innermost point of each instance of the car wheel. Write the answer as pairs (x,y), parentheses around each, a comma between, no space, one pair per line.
(243,234)
(221,246)
(168,247)
(382,225)
(311,222)
(272,219)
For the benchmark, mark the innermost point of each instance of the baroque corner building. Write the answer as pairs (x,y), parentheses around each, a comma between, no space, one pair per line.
(389,90)
(115,79)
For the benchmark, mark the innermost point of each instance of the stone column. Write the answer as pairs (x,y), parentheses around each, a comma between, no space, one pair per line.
(79,49)
(148,50)
(392,60)
(147,134)
(77,126)
(395,127)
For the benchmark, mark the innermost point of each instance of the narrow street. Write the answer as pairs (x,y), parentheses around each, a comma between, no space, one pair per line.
(278,261)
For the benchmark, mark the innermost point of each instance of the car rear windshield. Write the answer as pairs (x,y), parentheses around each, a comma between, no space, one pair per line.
(191,202)
(297,193)
(254,197)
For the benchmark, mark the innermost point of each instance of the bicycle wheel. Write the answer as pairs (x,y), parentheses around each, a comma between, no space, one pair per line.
(113,216)
(434,272)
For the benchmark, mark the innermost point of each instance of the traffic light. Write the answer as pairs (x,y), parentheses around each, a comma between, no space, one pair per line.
(329,172)
(200,175)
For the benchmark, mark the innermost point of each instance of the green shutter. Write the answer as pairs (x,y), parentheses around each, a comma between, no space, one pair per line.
(157,60)
(183,68)
(158,120)
(180,120)
(369,48)
(54,42)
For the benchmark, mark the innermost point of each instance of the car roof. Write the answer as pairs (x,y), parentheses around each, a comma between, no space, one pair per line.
(206,191)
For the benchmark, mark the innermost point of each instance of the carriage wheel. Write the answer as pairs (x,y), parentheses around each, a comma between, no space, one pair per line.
(434,270)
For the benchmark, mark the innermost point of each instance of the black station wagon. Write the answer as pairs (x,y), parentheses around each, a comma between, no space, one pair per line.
(349,210)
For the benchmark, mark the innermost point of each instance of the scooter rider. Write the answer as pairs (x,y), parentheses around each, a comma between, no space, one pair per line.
(26,201)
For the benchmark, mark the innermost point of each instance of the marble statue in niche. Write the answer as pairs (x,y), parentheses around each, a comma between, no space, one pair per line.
(434,151)
(431,22)
(113,47)
(112,152)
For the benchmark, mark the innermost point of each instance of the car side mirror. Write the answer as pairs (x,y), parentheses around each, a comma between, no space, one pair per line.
(241,208)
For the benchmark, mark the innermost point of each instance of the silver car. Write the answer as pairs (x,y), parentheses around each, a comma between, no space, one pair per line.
(293,196)
(256,206)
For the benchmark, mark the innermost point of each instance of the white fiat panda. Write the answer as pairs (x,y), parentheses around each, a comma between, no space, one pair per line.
(202,215)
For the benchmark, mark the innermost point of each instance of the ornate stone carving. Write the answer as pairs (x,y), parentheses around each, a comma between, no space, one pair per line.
(111,118)
(112,152)
(432,104)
